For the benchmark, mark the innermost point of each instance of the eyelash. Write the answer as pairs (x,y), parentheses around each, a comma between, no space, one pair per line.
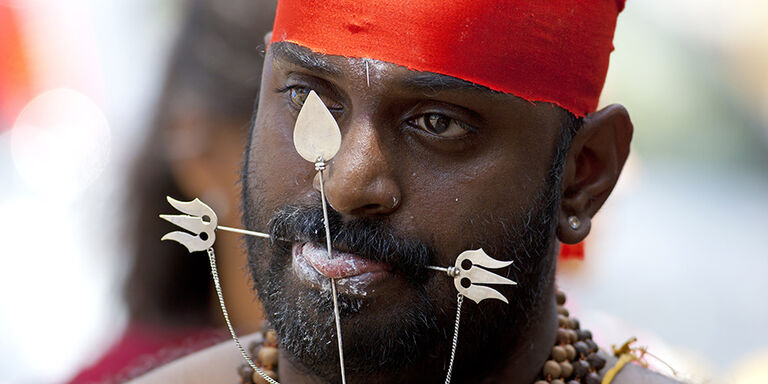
(291,104)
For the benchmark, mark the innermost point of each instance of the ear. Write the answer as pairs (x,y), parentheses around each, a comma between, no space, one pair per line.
(593,165)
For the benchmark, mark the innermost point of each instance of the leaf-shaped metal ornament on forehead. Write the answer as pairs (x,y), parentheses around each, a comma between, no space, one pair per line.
(316,134)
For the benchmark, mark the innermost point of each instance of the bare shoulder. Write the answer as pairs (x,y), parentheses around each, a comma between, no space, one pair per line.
(635,374)
(217,364)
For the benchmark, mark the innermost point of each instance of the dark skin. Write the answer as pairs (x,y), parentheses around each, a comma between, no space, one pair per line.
(497,171)
(427,155)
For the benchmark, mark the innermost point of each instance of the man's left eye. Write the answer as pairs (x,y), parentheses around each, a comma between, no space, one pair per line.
(439,125)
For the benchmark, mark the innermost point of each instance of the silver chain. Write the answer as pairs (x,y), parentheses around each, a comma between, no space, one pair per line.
(215,273)
(459,300)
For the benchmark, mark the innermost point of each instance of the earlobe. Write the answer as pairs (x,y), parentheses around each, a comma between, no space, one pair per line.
(572,229)
(595,159)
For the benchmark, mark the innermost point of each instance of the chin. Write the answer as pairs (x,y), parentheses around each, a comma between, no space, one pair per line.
(387,322)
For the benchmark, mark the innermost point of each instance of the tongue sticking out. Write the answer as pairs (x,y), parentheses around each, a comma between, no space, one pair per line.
(342,265)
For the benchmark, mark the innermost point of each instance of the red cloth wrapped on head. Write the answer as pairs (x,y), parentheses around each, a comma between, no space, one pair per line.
(554,51)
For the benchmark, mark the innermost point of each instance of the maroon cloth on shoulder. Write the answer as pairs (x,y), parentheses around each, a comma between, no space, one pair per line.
(145,347)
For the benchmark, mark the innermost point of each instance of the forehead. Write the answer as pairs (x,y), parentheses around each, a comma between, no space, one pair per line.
(340,67)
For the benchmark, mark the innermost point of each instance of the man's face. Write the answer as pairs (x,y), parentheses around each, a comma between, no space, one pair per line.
(429,166)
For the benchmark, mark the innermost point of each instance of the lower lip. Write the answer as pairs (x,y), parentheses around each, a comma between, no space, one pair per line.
(357,277)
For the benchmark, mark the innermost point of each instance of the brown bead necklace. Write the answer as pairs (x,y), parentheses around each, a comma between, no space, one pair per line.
(574,358)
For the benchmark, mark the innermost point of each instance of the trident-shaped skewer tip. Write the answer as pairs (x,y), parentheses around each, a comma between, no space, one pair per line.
(476,275)
(200,220)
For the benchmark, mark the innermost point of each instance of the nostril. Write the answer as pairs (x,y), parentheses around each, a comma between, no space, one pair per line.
(371,209)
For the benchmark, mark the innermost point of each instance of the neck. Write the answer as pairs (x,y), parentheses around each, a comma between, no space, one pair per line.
(524,358)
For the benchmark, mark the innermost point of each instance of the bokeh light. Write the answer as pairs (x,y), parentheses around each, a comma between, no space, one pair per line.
(60,143)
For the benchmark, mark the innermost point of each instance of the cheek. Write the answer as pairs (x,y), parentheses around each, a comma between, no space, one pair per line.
(453,204)
(276,170)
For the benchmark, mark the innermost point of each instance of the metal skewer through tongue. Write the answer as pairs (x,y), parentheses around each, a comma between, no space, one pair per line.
(320,167)
(317,139)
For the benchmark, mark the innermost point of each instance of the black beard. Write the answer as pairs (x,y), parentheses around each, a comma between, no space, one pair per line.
(422,331)
(303,317)
(414,335)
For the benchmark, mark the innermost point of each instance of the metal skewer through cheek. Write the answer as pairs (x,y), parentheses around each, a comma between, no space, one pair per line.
(199,219)
(320,167)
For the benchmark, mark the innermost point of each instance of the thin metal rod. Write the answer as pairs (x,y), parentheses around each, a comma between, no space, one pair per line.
(217,285)
(367,74)
(436,268)
(249,233)
(333,281)
(244,231)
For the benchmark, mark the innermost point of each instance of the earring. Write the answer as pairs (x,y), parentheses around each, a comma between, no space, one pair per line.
(574,222)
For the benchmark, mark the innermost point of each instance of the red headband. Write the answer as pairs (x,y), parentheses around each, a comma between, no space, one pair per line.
(547,50)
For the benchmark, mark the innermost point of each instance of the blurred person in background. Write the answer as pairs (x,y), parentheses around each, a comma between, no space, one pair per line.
(193,149)
(437,117)
(699,160)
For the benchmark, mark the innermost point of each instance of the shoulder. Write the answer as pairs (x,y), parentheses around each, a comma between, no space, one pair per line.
(217,364)
(636,374)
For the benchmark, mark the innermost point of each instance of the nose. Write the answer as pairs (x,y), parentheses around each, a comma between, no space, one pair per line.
(360,178)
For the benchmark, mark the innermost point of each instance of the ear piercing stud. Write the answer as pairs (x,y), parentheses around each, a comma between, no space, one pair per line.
(574,222)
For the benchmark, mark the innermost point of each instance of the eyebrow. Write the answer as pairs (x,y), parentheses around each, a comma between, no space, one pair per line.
(303,57)
(435,82)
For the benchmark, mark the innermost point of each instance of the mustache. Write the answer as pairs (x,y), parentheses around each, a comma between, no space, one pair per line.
(368,238)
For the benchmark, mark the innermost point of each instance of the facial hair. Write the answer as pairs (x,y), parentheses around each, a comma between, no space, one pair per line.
(422,332)
(303,317)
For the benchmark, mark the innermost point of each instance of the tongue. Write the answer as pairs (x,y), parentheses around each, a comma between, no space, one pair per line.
(342,264)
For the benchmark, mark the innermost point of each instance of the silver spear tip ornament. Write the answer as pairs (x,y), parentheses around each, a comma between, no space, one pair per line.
(474,275)
(200,221)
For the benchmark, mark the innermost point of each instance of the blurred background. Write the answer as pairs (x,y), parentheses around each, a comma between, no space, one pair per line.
(100,103)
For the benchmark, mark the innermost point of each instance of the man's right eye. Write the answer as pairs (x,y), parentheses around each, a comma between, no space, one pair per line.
(298,95)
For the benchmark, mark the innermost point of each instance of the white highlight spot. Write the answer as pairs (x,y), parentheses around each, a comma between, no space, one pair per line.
(367,75)
(60,143)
